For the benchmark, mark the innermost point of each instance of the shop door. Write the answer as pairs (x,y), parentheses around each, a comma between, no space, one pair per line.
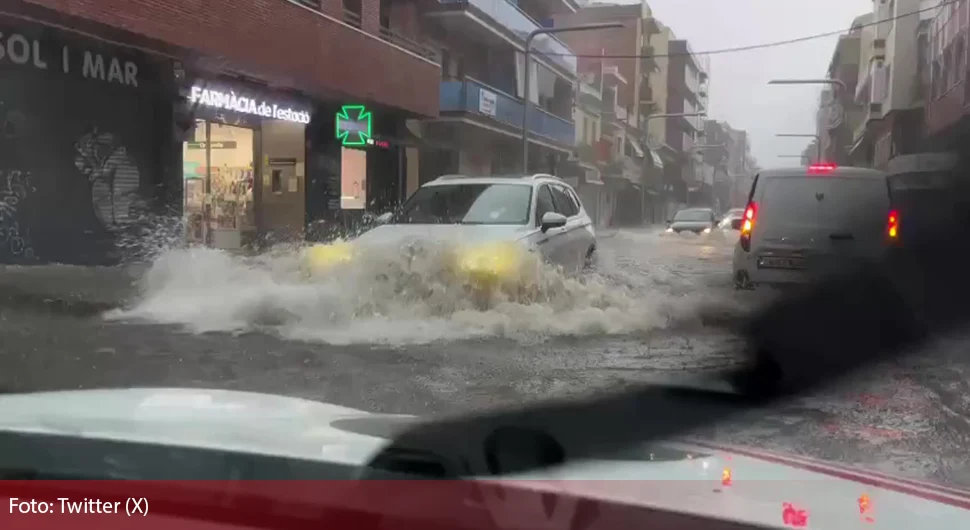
(218,175)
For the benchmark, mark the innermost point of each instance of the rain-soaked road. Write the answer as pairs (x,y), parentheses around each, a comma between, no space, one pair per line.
(215,323)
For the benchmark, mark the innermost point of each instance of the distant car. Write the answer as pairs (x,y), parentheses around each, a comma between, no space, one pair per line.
(805,221)
(732,220)
(488,220)
(697,220)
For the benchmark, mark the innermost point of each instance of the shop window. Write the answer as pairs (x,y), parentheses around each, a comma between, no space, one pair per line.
(353,179)
(218,183)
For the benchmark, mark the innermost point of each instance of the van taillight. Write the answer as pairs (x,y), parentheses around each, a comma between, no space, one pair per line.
(892,226)
(747,225)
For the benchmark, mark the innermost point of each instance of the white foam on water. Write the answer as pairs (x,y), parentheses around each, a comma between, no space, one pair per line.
(386,298)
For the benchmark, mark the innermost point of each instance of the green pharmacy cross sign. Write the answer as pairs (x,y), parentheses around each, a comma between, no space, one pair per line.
(353,125)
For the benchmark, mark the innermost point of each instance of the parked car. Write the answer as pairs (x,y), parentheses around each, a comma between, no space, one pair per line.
(490,220)
(697,220)
(802,222)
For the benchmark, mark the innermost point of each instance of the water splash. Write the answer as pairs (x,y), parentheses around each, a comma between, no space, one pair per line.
(389,297)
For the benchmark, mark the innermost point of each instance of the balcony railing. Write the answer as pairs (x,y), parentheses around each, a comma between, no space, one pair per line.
(424,50)
(514,20)
(466,96)
(945,110)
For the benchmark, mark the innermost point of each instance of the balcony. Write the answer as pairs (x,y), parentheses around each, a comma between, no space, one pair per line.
(946,110)
(475,98)
(878,50)
(947,105)
(488,19)
(648,63)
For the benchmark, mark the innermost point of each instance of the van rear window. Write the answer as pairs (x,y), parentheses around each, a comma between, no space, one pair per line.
(790,198)
(809,200)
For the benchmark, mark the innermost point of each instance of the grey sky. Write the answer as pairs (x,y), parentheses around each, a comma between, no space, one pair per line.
(738,90)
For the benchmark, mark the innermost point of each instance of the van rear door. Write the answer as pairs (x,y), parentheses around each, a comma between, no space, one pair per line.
(786,233)
(853,217)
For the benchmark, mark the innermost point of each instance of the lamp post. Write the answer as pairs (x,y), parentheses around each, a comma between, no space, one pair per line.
(818,141)
(800,157)
(836,82)
(527,77)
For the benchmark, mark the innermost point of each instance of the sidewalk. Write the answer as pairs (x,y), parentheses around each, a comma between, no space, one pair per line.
(73,289)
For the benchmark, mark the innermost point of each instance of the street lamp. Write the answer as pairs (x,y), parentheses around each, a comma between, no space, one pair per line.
(800,157)
(836,82)
(527,78)
(818,141)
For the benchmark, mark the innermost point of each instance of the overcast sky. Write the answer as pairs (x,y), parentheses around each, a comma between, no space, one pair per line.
(738,90)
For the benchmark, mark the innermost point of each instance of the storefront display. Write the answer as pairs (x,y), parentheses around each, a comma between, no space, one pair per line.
(236,191)
(219,205)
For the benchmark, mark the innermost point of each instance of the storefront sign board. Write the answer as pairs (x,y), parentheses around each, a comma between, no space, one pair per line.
(230,100)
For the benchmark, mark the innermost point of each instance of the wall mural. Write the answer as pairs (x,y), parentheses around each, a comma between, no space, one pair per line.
(113,176)
(15,186)
(83,147)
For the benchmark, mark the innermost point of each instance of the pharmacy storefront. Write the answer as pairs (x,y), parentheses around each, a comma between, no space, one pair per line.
(243,164)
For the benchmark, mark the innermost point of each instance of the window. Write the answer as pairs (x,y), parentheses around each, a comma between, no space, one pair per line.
(564,203)
(502,204)
(544,203)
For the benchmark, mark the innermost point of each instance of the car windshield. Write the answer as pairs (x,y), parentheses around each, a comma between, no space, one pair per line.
(470,204)
(693,215)
(385,206)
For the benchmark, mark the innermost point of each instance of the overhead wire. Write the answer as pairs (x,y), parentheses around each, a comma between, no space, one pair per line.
(765,45)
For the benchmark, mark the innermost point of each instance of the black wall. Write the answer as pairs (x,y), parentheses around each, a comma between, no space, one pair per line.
(83,150)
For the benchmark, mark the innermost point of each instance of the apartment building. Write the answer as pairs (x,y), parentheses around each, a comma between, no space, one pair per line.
(891,79)
(225,112)
(687,78)
(631,172)
(839,114)
(948,93)
(481,94)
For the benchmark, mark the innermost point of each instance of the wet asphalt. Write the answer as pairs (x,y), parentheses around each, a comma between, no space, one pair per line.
(910,417)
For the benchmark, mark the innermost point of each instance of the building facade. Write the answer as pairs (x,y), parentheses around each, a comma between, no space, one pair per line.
(631,172)
(890,87)
(687,78)
(482,88)
(201,115)
(948,106)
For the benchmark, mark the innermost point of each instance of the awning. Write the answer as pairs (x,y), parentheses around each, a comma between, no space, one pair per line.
(657,161)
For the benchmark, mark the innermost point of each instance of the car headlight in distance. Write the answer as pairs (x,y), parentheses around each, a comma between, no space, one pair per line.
(670,230)
(707,230)
(322,257)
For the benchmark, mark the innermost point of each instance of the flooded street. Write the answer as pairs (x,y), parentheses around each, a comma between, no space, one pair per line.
(639,318)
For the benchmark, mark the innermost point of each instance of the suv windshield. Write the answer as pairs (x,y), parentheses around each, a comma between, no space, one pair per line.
(693,215)
(496,204)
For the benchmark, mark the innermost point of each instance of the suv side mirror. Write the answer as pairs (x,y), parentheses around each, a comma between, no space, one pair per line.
(552,220)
